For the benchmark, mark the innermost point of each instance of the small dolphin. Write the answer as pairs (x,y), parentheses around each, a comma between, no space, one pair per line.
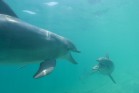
(105,66)
(24,43)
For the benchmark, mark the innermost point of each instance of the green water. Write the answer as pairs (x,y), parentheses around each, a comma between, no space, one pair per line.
(96,27)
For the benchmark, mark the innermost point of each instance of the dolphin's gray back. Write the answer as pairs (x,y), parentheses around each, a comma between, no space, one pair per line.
(19,33)
(19,39)
(5,9)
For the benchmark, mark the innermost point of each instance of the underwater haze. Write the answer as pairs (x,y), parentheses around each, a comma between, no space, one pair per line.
(96,27)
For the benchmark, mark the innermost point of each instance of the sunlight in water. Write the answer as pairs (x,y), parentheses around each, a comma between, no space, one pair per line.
(29,12)
(51,3)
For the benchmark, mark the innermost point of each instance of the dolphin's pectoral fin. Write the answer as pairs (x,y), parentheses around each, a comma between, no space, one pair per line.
(70,58)
(45,68)
(112,78)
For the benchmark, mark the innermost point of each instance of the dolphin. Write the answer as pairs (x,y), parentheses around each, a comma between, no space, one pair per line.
(105,66)
(21,42)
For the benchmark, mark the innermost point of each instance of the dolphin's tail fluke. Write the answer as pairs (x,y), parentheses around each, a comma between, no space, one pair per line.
(112,79)
(5,9)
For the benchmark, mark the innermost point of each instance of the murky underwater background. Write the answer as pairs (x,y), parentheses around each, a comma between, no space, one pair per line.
(96,27)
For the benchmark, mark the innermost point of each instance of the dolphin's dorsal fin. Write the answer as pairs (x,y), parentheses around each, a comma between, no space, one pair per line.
(112,79)
(70,58)
(5,9)
(45,68)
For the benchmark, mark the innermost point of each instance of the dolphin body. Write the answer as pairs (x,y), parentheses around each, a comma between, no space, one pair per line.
(21,42)
(105,66)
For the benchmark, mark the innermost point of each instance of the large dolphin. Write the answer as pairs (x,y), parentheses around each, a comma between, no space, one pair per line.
(105,66)
(21,42)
